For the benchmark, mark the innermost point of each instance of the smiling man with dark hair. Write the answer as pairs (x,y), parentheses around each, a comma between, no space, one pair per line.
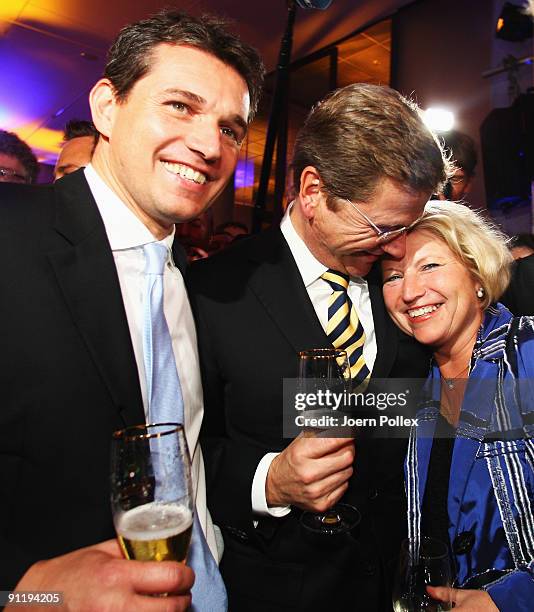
(172,110)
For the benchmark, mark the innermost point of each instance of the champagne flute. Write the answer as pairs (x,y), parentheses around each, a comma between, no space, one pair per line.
(326,370)
(430,565)
(151,492)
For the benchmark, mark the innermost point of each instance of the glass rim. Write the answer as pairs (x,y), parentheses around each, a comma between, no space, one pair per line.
(428,540)
(129,434)
(321,353)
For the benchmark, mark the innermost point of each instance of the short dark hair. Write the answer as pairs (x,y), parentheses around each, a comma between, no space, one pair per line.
(77,128)
(11,144)
(461,148)
(130,55)
(361,134)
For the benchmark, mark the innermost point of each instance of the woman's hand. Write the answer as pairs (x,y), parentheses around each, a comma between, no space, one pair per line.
(467,600)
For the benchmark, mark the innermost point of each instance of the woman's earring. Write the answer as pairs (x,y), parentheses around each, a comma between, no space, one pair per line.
(480,292)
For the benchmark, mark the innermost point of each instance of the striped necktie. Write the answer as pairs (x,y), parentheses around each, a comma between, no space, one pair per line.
(344,329)
(166,404)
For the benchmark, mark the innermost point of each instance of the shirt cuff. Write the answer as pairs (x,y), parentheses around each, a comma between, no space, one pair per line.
(259,501)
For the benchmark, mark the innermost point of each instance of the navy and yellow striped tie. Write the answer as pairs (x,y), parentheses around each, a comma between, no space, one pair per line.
(344,329)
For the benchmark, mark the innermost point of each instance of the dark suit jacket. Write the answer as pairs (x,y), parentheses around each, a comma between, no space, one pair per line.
(253,316)
(67,370)
(519,297)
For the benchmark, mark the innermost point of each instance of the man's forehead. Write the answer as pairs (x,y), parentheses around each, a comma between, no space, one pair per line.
(11,162)
(164,52)
(185,81)
(393,210)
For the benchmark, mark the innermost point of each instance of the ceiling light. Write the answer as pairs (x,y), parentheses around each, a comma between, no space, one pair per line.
(513,24)
(438,119)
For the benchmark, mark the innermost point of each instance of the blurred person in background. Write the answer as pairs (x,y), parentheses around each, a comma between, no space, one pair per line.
(194,253)
(195,235)
(521,246)
(519,297)
(18,164)
(233,229)
(218,242)
(462,150)
(79,142)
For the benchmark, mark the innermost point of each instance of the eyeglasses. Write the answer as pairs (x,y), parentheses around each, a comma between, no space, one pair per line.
(384,233)
(7,175)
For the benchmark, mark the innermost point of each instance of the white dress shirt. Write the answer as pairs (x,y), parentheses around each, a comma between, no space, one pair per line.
(319,292)
(127,235)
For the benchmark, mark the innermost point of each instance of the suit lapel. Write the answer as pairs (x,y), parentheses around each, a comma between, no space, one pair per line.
(278,285)
(87,276)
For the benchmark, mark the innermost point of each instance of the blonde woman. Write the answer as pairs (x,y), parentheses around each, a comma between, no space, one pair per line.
(469,476)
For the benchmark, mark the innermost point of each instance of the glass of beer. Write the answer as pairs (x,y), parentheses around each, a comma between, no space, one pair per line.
(151,492)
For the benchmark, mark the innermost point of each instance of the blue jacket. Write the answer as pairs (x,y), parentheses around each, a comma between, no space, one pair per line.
(491,486)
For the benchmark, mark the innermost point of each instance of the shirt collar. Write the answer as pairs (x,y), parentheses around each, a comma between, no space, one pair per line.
(309,267)
(124,230)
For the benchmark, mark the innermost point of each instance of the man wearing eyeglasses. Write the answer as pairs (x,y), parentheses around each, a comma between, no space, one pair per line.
(364,166)
(18,164)
(461,148)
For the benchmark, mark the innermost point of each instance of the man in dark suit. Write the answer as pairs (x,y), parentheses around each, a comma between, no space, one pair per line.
(364,165)
(171,111)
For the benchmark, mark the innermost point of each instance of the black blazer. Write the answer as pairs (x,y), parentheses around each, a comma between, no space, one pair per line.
(253,316)
(519,297)
(67,373)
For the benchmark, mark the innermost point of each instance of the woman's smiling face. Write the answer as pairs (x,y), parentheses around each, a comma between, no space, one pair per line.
(431,295)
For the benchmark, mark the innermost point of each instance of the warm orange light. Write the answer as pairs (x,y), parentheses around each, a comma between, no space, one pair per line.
(500,24)
(22,10)
(10,9)
(41,139)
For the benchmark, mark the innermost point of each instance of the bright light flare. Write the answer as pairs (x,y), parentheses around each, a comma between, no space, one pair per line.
(438,119)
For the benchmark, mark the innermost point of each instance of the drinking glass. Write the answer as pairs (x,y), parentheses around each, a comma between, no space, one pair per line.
(322,370)
(151,492)
(429,566)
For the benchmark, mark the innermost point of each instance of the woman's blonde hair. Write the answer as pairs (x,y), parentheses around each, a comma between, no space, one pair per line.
(475,241)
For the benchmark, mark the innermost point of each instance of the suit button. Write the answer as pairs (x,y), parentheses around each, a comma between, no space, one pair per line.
(463,542)
(373,493)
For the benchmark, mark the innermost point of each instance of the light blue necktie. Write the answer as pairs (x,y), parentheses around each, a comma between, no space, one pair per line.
(166,405)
